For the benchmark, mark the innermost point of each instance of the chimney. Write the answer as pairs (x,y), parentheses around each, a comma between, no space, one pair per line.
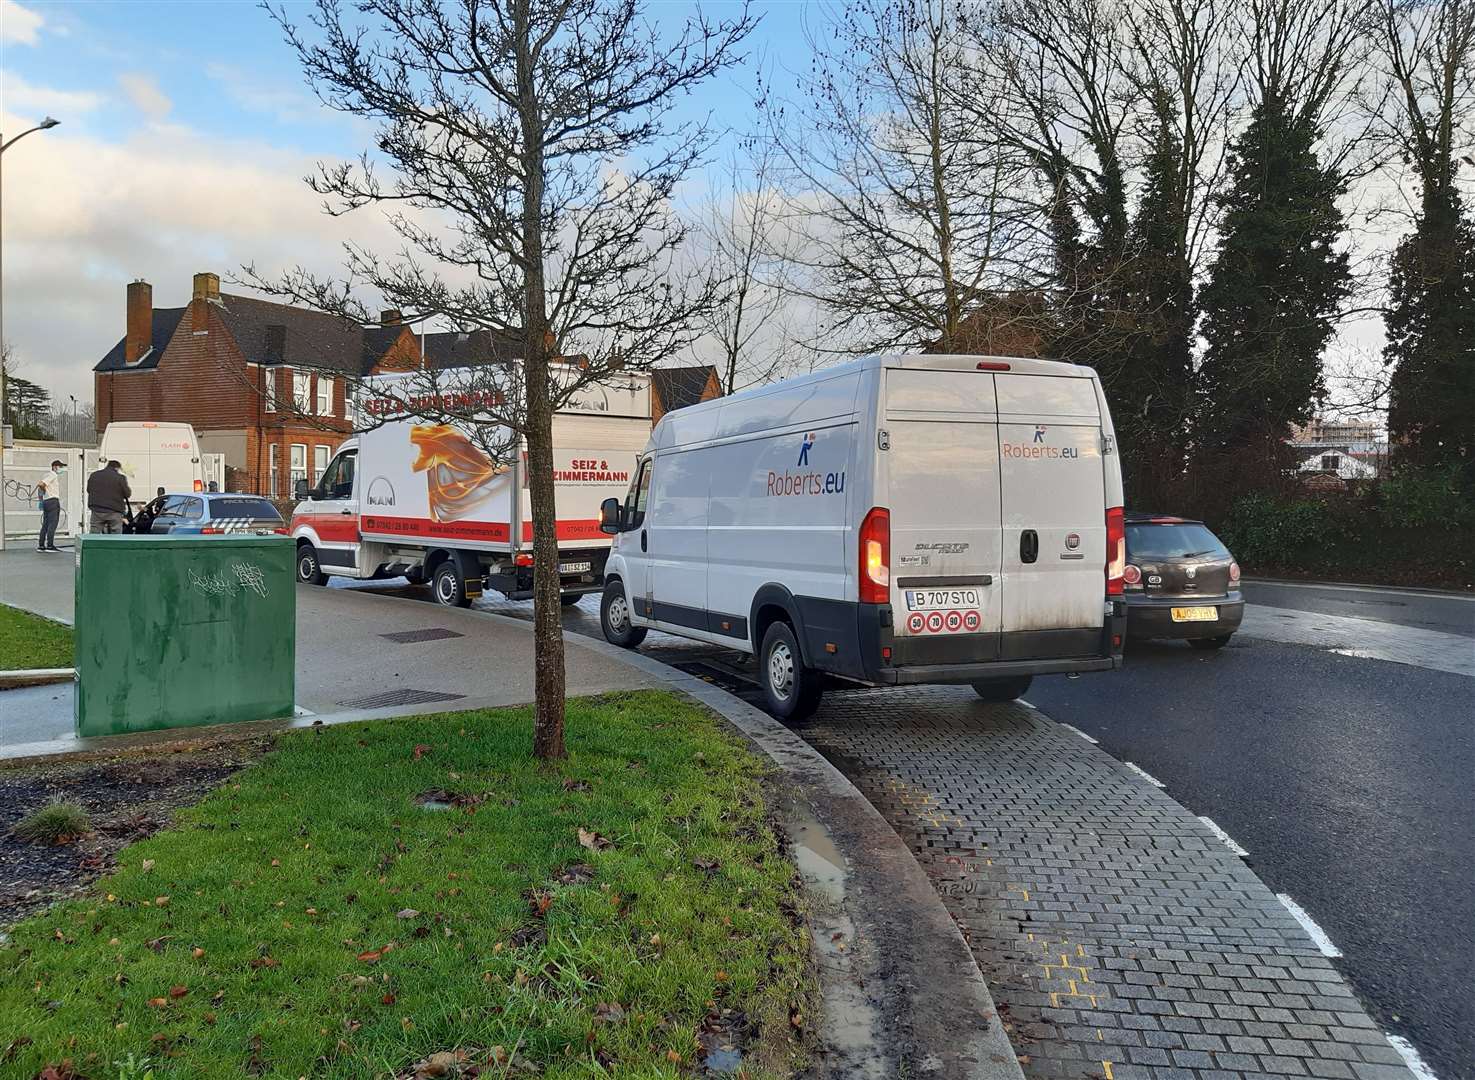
(140,331)
(207,287)
(390,317)
(276,344)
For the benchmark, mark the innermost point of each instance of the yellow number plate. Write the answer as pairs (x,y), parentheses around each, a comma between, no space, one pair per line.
(1195,614)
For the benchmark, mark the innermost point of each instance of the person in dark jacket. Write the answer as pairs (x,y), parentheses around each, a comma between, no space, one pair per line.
(107,498)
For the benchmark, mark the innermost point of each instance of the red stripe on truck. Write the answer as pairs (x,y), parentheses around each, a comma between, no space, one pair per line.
(493,532)
(331,528)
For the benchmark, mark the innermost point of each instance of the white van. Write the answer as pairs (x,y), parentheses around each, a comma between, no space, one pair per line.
(895,520)
(154,455)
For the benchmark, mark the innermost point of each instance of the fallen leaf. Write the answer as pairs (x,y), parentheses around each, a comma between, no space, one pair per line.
(673,1057)
(158,1002)
(706,865)
(721,976)
(438,1065)
(159,942)
(276,862)
(177,992)
(421,749)
(608,1013)
(407,913)
(387,999)
(197,952)
(593,841)
(570,784)
(371,956)
(655,939)
(148,864)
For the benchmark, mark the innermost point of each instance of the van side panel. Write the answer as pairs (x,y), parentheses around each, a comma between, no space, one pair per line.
(676,537)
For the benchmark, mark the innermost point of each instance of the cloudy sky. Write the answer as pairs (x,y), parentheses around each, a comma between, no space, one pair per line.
(186,131)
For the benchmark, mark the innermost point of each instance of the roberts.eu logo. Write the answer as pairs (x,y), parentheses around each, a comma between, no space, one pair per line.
(1038,447)
(805,483)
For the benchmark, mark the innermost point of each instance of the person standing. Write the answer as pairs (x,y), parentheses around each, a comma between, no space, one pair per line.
(107,498)
(49,492)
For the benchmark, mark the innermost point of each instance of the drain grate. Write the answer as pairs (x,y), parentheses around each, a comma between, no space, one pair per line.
(434,633)
(399,697)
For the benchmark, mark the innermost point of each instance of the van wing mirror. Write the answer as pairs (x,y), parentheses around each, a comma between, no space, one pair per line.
(300,492)
(609,516)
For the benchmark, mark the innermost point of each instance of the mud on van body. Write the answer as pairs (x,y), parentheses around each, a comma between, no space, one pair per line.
(895,520)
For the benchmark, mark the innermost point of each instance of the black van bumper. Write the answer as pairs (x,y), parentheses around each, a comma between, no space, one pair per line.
(889,660)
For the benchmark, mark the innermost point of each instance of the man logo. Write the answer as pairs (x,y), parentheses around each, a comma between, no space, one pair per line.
(804,449)
(381,493)
(1039,433)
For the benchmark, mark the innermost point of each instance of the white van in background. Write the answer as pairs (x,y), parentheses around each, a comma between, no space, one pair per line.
(155,455)
(895,520)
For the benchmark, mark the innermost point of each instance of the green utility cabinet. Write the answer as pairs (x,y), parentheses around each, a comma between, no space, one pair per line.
(174,631)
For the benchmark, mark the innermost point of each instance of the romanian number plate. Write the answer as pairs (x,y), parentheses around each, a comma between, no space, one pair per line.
(941,599)
(574,567)
(1195,614)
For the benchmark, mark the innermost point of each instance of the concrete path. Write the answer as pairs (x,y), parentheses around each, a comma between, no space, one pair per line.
(39,583)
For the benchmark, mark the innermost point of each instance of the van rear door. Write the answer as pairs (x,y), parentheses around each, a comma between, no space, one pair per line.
(1054,514)
(942,470)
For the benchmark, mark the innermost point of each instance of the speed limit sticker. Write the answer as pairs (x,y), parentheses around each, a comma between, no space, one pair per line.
(954,621)
(934,621)
(916,622)
(971,621)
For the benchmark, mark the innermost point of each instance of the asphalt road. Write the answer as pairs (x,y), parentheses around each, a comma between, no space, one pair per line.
(1449,614)
(1348,779)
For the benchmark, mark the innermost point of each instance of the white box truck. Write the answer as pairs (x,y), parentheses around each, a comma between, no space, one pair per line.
(413,497)
(157,455)
(895,520)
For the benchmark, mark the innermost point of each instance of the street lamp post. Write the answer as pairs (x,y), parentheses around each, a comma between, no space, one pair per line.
(4,146)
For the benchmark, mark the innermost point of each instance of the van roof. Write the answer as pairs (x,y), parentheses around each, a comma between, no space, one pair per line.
(924,361)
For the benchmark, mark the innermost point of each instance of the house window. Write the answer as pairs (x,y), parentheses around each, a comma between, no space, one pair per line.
(1330,462)
(302,391)
(272,489)
(269,389)
(319,461)
(298,465)
(325,396)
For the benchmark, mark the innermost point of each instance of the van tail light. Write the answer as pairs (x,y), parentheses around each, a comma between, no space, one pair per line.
(199,485)
(1132,576)
(875,557)
(1116,550)
(522,560)
(282,532)
(1233,572)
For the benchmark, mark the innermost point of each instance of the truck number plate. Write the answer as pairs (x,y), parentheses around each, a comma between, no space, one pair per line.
(574,567)
(1195,614)
(941,599)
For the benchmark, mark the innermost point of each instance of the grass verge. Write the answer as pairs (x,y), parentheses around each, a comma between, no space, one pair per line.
(606,915)
(29,641)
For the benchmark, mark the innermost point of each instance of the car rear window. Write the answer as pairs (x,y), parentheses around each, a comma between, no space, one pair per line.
(1147,541)
(244,508)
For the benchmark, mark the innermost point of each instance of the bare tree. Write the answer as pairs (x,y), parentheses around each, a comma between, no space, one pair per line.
(533,156)
(907,216)
(747,240)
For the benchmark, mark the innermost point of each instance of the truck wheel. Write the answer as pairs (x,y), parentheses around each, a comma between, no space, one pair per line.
(614,618)
(309,570)
(1210,642)
(791,690)
(1003,689)
(448,587)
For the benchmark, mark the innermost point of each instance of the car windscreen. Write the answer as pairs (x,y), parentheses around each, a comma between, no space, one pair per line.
(259,509)
(1172,541)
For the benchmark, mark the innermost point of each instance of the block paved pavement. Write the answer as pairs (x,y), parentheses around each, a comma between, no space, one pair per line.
(1120,938)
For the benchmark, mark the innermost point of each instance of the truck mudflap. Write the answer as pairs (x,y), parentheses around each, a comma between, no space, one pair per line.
(888,660)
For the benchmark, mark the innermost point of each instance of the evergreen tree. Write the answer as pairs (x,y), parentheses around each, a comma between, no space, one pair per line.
(1431,337)
(1272,293)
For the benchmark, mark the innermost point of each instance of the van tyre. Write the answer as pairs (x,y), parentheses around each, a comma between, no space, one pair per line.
(1003,689)
(448,586)
(614,618)
(791,690)
(309,569)
(1210,642)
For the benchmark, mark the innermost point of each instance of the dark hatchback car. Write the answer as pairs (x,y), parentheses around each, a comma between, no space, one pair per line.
(1181,582)
(209,514)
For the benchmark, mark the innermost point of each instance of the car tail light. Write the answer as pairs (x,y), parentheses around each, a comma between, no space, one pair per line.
(875,557)
(208,531)
(199,485)
(1233,572)
(281,532)
(1116,550)
(522,560)
(1131,575)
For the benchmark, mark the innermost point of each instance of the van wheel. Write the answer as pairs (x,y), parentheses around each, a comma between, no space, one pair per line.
(1210,642)
(1003,689)
(614,618)
(309,570)
(448,586)
(791,690)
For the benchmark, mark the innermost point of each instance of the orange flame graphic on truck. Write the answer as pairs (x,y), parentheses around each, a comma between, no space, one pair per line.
(458,475)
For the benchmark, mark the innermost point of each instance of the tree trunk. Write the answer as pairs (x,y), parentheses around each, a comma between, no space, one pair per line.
(547,622)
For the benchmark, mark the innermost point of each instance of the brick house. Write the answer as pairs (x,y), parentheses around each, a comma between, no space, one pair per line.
(262,383)
(675,388)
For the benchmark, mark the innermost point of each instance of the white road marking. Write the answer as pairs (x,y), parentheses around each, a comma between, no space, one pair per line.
(1078,731)
(1374,589)
(1411,1058)
(1224,836)
(1140,771)
(1027,705)
(1369,638)
(1315,933)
